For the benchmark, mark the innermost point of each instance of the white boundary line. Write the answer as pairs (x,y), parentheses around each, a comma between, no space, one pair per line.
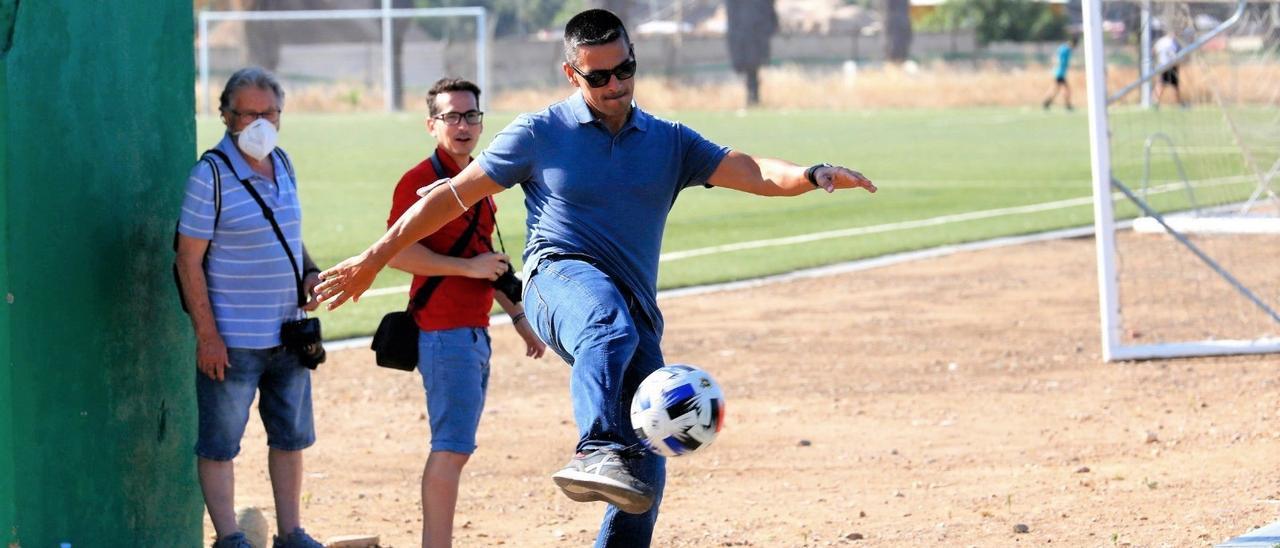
(817,272)
(878,229)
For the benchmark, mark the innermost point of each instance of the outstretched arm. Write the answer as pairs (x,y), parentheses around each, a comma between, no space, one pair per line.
(351,278)
(772,177)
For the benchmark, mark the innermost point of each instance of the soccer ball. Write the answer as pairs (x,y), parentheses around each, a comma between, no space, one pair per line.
(677,410)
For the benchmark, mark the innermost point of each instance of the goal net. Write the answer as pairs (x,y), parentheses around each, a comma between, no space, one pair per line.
(1185,175)
(343,60)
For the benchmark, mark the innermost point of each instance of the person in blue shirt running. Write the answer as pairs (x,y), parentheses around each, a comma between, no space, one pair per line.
(599,176)
(1060,73)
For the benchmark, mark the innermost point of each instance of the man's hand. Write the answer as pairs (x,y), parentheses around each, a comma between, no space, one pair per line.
(487,266)
(309,287)
(211,356)
(840,177)
(347,280)
(534,347)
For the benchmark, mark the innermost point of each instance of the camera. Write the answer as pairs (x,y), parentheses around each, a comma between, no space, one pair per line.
(302,337)
(509,285)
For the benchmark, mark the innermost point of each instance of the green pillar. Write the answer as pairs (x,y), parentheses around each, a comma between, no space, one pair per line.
(7,531)
(97,404)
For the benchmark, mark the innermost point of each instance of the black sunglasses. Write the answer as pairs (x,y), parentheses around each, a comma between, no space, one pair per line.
(599,78)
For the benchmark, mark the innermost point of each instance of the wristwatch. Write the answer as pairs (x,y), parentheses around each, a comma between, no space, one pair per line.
(812,173)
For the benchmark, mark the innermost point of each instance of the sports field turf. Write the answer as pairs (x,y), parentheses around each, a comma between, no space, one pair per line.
(927,164)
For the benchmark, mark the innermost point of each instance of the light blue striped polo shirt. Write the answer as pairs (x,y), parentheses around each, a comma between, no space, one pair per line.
(251,285)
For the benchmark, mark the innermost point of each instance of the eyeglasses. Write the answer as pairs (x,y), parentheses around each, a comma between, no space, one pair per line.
(473,117)
(247,117)
(600,78)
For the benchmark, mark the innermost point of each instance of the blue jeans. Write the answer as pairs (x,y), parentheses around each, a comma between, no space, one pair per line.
(455,373)
(285,406)
(586,319)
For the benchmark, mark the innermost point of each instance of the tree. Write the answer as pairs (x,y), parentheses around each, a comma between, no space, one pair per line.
(751,24)
(399,27)
(1007,20)
(618,7)
(260,37)
(897,30)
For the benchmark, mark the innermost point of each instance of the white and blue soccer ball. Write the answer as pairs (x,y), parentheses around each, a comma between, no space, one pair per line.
(677,410)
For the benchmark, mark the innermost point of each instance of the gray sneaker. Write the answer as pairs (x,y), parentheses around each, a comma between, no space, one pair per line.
(234,540)
(603,475)
(297,539)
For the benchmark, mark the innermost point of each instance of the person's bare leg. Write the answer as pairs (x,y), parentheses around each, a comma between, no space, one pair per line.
(218,483)
(1052,94)
(440,478)
(1066,95)
(286,486)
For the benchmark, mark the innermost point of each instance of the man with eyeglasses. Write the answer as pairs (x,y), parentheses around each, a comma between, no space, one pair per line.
(600,176)
(239,287)
(453,312)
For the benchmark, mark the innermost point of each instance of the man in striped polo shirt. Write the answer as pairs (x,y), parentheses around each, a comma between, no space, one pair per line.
(239,288)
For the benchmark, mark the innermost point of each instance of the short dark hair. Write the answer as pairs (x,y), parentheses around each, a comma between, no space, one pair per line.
(449,85)
(592,28)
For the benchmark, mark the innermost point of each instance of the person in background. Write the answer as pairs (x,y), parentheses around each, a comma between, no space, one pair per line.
(239,288)
(1060,83)
(453,342)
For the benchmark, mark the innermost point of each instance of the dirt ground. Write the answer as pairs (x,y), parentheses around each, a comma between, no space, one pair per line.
(942,402)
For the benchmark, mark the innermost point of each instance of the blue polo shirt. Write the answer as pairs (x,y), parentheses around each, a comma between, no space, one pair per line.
(600,195)
(251,285)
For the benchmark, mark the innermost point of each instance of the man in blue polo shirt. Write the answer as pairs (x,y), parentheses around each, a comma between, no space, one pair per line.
(600,176)
(239,288)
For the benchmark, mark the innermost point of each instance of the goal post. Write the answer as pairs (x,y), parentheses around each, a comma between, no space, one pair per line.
(1185,211)
(386,15)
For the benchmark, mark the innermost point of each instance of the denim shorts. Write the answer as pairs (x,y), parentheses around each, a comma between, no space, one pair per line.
(285,406)
(455,373)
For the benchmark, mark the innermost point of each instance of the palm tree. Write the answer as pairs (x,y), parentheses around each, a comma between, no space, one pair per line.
(897,30)
(751,24)
(260,36)
(618,7)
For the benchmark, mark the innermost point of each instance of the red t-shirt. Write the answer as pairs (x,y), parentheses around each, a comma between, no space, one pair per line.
(458,301)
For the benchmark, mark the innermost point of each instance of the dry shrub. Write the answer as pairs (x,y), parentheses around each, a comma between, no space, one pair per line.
(889,86)
(328,97)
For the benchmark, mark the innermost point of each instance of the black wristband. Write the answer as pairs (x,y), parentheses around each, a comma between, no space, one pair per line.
(516,319)
(811,173)
(309,271)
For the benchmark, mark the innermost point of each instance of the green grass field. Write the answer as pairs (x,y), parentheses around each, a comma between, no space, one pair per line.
(927,163)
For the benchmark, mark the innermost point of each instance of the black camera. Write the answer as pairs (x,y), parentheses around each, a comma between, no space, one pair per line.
(509,284)
(302,337)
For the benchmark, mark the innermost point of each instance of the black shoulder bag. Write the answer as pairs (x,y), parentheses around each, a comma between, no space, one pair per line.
(395,343)
(302,337)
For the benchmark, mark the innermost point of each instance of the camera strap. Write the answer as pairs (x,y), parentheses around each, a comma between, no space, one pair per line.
(424,292)
(271,218)
(439,167)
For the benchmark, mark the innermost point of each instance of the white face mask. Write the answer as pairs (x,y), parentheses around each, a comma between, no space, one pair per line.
(258,139)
